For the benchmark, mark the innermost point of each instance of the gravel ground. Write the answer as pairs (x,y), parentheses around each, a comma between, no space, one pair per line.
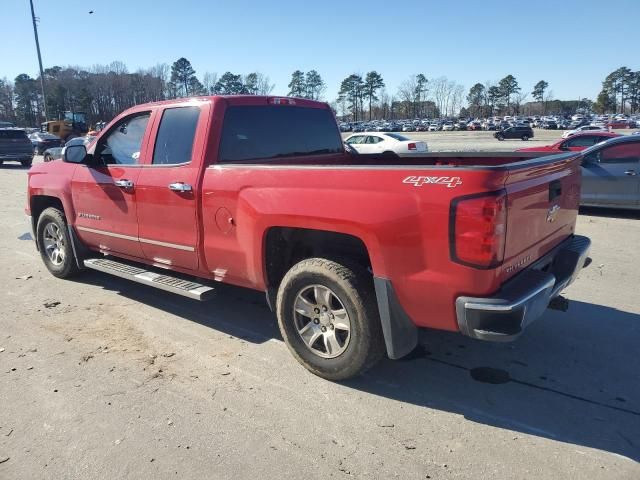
(101,378)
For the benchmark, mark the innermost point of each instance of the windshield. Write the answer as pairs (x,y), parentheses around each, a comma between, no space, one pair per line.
(78,117)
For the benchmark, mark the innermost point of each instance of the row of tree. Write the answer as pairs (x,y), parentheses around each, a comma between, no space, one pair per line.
(620,92)
(104,91)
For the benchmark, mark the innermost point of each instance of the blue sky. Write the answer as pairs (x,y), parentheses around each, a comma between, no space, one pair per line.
(571,44)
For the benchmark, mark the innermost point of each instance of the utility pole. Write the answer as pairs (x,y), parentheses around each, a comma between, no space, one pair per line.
(35,34)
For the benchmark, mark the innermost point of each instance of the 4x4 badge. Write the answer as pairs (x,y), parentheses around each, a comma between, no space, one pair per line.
(450,182)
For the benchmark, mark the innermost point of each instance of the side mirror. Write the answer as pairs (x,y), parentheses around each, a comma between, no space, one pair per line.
(564,147)
(75,154)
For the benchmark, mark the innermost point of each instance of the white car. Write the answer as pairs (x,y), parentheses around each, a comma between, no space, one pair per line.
(386,143)
(584,128)
(434,127)
(447,127)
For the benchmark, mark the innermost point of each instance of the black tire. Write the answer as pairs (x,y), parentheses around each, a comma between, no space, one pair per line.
(68,266)
(26,163)
(390,154)
(500,137)
(47,157)
(353,287)
(525,138)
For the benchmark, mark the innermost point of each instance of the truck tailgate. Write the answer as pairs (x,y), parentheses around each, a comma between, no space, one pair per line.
(542,206)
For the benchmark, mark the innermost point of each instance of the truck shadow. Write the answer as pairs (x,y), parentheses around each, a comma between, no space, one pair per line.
(610,212)
(236,311)
(572,377)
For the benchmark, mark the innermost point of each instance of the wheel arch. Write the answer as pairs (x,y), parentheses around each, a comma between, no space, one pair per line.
(285,246)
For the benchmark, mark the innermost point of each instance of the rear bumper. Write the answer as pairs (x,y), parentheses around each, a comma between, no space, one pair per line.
(16,157)
(520,301)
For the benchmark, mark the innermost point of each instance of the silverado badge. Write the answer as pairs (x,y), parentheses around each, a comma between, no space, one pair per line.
(553,213)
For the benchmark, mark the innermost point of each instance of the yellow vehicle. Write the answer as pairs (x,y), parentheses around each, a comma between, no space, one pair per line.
(73,124)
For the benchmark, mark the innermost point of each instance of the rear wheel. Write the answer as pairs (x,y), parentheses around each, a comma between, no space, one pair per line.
(54,243)
(26,163)
(329,319)
(390,154)
(47,157)
(525,138)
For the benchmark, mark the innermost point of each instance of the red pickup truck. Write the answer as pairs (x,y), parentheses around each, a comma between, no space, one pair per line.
(355,252)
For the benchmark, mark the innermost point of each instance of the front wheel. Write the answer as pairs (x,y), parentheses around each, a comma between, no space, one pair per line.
(500,137)
(54,244)
(328,317)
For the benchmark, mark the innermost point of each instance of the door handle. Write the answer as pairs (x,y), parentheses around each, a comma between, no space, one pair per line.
(124,183)
(180,187)
(631,172)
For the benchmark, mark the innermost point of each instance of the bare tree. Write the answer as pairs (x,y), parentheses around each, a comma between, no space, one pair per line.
(264,85)
(456,100)
(209,81)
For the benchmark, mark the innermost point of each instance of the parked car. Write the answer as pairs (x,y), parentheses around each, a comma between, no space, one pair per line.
(448,127)
(584,128)
(391,144)
(6,125)
(618,123)
(56,153)
(550,125)
(523,133)
(15,146)
(576,143)
(42,140)
(345,250)
(407,127)
(611,173)
(434,127)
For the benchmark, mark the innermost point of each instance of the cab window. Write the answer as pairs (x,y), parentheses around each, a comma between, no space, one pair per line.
(585,141)
(356,139)
(123,144)
(621,153)
(174,141)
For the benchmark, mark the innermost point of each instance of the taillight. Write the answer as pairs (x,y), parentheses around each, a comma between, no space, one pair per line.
(477,229)
(412,146)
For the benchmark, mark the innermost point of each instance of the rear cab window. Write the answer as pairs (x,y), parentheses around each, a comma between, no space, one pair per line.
(272,132)
(174,141)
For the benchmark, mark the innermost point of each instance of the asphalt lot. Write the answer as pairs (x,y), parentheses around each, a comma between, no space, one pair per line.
(102,378)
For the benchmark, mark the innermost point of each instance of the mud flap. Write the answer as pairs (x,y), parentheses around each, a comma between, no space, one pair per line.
(400,333)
